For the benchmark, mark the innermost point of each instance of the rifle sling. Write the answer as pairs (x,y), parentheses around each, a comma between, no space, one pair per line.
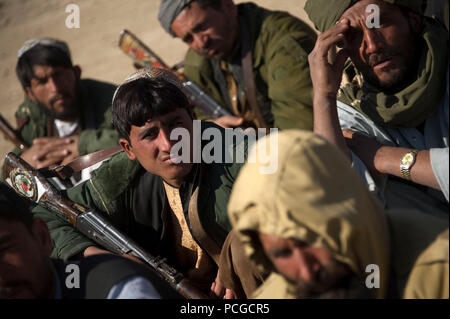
(205,241)
(80,163)
(249,80)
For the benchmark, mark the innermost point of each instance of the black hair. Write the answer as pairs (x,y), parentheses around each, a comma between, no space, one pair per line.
(215,4)
(40,55)
(13,207)
(138,101)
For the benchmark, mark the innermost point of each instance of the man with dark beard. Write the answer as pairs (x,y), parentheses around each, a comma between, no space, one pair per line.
(62,115)
(391,114)
(316,230)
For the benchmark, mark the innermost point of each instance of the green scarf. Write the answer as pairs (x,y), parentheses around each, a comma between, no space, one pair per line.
(414,104)
(325,13)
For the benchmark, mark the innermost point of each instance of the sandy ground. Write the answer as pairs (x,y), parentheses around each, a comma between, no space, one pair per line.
(94,44)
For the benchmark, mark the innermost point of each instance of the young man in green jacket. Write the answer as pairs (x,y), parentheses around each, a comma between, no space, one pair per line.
(219,34)
(62,116)
(170,208)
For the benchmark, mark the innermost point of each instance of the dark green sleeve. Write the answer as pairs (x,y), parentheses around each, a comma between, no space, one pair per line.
(67,241)
(104,136)
(290,91)
(286,45)
(105,192)
(35,121)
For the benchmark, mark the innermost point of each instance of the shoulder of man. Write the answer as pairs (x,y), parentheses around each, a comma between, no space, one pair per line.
(438,251)
(99,93)
(430,275)
(29,111)
(112,179)
(31,121)
(281,29)
(422,230)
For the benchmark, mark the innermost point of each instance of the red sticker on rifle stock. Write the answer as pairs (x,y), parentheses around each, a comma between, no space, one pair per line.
(24,183)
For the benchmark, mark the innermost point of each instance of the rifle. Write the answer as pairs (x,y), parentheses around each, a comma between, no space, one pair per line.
(144,56)
(30,183)
(11,134)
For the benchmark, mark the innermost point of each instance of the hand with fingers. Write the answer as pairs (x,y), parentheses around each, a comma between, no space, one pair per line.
(364,147)
(72,149)
(229,121)
(219,291)
(326,75)
(47,151)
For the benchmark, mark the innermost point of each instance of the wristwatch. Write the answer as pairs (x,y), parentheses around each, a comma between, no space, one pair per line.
(407,162)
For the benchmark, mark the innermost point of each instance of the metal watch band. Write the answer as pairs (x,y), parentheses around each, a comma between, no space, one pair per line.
(406,171)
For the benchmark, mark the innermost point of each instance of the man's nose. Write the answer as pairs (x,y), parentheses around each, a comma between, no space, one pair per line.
(165,144)
(308,266)
(372,41)
(52,85)
(200,41)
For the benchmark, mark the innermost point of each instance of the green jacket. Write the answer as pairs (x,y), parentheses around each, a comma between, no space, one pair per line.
(281,44)
(96,129)
(135,202)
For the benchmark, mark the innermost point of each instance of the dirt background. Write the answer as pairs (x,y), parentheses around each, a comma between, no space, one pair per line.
(94,44)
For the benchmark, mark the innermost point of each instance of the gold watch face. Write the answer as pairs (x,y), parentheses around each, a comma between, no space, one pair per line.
(407,159)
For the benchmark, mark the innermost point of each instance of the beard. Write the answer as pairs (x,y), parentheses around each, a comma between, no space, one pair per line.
(335,281)
(393,80)
(390,80)
(67,112)
(348,288)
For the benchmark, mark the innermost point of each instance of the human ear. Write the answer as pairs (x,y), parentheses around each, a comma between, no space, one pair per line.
(127,148)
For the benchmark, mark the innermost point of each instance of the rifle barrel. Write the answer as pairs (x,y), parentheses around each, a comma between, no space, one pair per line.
(11,134)
(136,49)
(29,183)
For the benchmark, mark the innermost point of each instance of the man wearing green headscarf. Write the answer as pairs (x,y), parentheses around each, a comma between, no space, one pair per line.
(392,103)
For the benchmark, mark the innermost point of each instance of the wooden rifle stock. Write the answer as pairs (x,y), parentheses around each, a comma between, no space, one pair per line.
(11,134)
(30,183)
(143,56)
